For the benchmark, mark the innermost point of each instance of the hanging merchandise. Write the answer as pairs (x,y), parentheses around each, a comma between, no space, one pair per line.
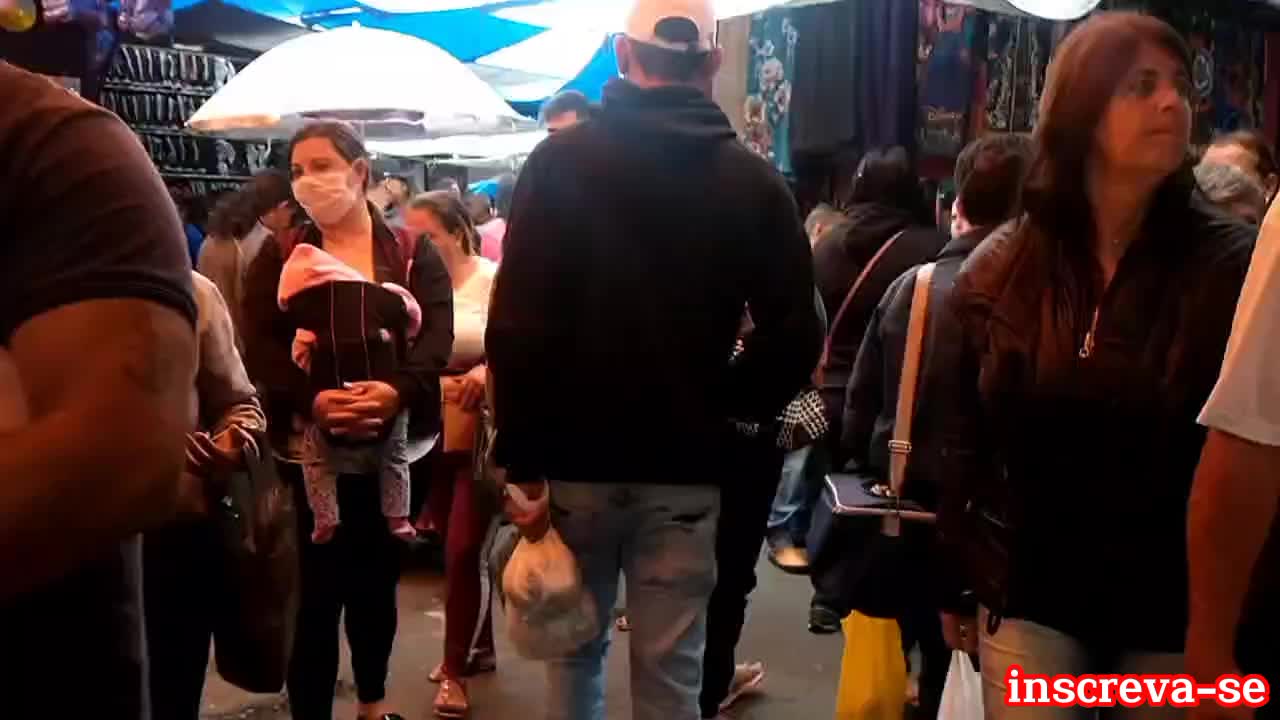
(946,76)
(146,18)
(770,66)
(1018,54)
(156,91)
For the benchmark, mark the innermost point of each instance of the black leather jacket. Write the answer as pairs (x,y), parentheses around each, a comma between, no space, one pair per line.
(1093,457)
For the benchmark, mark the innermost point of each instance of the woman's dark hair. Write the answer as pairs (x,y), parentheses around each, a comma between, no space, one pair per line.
(989,176)
(885,177)
(236,213)
(344,138)
(452,214)
(1257,144)
(1085,74)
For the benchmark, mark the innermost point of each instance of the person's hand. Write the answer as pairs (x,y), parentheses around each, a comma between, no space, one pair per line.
(359,411)
(451,390)
(471,388)
(531,518)
(960,632)
(207,455)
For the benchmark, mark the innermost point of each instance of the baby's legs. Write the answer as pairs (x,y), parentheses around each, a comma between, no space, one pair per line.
(394,476)
(322,486)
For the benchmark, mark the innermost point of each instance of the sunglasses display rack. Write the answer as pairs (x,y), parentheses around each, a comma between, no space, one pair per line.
(156,91)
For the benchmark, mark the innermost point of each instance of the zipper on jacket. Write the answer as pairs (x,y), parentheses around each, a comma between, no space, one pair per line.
(1090,337)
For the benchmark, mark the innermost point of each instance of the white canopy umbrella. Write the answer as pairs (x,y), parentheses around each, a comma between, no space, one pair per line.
(390,85)
(1051,9)
(465,146)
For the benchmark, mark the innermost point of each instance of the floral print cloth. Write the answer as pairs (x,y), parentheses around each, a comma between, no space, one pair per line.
(769,71)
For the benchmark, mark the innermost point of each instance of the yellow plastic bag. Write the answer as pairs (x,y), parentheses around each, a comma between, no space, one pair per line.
(873,671)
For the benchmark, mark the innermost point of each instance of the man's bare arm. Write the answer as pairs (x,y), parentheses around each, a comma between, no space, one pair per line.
(109,389)
(1233,506)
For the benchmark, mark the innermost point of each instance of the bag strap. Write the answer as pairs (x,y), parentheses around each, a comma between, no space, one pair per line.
(900,444)
(848,298)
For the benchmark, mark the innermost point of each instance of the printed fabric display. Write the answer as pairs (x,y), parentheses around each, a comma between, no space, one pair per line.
(947,76)
(770,67)
(1018,53)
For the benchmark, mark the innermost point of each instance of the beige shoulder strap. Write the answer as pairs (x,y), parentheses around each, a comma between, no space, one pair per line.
(900,445)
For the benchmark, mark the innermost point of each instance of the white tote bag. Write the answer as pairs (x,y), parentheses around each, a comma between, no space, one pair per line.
(962,695)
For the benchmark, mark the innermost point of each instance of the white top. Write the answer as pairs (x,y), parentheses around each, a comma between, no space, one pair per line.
(1246,401)
(471,315)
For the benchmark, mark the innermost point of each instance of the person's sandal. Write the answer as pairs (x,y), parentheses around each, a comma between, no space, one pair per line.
(481,663)
(451,701)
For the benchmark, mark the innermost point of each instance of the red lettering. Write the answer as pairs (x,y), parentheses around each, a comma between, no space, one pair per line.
(1156,689)
(1130,692)
(1229,691)
(1063,691)
(1090,686)
(1184,692)
(1256,691)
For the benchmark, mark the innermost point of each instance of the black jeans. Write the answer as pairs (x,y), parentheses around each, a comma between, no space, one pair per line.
(181,584)
(923,626)
(357,571)
(752,470)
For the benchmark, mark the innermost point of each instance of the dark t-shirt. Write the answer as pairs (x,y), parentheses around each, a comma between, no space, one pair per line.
(83,216)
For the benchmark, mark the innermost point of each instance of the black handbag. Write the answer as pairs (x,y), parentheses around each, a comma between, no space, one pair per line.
(882,541)
(257,523)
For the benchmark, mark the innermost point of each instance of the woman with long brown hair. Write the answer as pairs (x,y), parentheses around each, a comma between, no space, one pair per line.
(1094,328)
(454,507)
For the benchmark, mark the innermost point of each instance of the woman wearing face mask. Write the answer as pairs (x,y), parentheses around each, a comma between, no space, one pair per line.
(357,570)
(1093,331)
(454,507)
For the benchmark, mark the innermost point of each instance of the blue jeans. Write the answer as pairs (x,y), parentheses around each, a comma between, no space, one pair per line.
(663,538)
(1041,650)
(802,471)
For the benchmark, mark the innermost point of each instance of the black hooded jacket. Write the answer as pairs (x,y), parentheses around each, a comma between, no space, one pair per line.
(634,242)
(840,256)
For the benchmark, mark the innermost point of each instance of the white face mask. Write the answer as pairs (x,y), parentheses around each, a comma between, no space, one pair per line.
(327,197)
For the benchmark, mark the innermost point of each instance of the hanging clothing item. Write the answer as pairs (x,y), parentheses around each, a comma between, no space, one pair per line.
(855,76)
(946,76)
(770,69)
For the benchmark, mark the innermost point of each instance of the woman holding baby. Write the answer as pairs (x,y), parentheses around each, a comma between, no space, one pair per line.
(349,324)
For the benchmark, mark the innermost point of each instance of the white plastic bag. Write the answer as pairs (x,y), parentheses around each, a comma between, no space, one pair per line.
(549,613)
(962,695)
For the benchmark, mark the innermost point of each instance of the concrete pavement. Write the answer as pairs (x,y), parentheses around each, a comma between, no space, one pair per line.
(800,684)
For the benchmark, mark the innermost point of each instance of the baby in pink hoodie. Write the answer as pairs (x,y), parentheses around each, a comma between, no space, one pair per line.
(349,330)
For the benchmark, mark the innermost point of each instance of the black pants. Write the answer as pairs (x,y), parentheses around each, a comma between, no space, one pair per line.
(922,626)
(752,472)
(181,584)
(357,571)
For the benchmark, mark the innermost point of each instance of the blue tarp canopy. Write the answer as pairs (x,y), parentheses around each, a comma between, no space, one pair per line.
(524,61)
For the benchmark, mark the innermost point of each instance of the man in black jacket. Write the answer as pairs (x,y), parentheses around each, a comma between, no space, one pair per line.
(989,174)
(636,238)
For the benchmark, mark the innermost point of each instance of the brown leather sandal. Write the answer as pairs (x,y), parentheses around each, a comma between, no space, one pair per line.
(451,700)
